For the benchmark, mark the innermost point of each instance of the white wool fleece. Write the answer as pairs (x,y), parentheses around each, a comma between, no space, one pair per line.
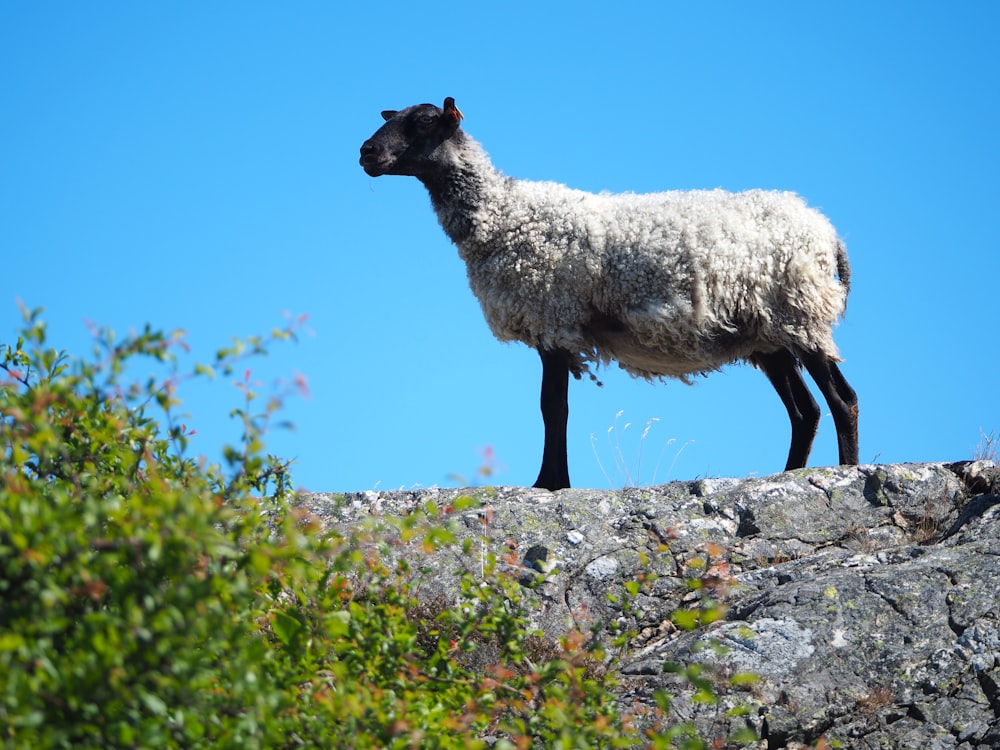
(668,284)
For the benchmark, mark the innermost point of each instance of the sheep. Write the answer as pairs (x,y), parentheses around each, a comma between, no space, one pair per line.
(669,284)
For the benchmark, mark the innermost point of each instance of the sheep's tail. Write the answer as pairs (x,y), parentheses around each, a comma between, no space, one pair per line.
(844,271)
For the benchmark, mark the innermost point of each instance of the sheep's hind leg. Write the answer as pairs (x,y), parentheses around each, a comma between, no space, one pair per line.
(782,369)
(841,398)
(554,474)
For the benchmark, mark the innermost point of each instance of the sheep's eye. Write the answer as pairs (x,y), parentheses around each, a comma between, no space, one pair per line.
(426,120)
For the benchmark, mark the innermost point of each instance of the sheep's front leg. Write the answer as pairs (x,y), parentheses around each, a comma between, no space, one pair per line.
(554,474)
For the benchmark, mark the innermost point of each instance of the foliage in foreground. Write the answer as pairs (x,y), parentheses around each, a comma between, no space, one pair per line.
(151,600)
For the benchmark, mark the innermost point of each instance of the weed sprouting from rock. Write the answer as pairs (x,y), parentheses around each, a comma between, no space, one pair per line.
(616,444)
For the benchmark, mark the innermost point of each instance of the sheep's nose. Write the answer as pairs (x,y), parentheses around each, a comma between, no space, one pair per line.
(369,153)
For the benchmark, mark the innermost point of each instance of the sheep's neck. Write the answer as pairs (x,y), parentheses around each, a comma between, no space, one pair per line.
(459,194)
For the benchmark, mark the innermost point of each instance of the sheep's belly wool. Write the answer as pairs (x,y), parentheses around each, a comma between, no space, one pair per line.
(666,284)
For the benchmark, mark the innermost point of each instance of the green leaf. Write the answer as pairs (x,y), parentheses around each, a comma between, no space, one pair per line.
(744,678)
(260,563)
(286,627)
(463,502)
(11,641)
(153,703)
(338,623)
(685,619)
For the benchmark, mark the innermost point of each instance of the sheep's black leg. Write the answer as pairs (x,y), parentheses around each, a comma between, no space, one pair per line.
(554,474)
(782,370)
(841,398)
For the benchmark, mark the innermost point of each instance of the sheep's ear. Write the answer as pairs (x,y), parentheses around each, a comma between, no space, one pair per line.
(388,114)
(450,109)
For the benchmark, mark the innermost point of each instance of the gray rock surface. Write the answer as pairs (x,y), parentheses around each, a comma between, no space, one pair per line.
(866,599)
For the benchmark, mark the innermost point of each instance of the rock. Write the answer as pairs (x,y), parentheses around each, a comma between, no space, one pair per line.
(866,599)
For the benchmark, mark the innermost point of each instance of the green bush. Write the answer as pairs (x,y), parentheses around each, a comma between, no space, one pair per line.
(150,600)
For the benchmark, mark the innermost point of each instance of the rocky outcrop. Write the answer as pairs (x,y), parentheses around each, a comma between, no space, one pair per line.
(866,599)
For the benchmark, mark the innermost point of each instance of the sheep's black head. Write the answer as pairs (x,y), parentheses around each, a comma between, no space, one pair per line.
(410,141)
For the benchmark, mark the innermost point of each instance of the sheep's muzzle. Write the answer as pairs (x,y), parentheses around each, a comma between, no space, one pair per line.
(373,160)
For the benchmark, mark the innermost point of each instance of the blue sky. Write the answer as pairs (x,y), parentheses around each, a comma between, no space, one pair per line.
(194,166)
